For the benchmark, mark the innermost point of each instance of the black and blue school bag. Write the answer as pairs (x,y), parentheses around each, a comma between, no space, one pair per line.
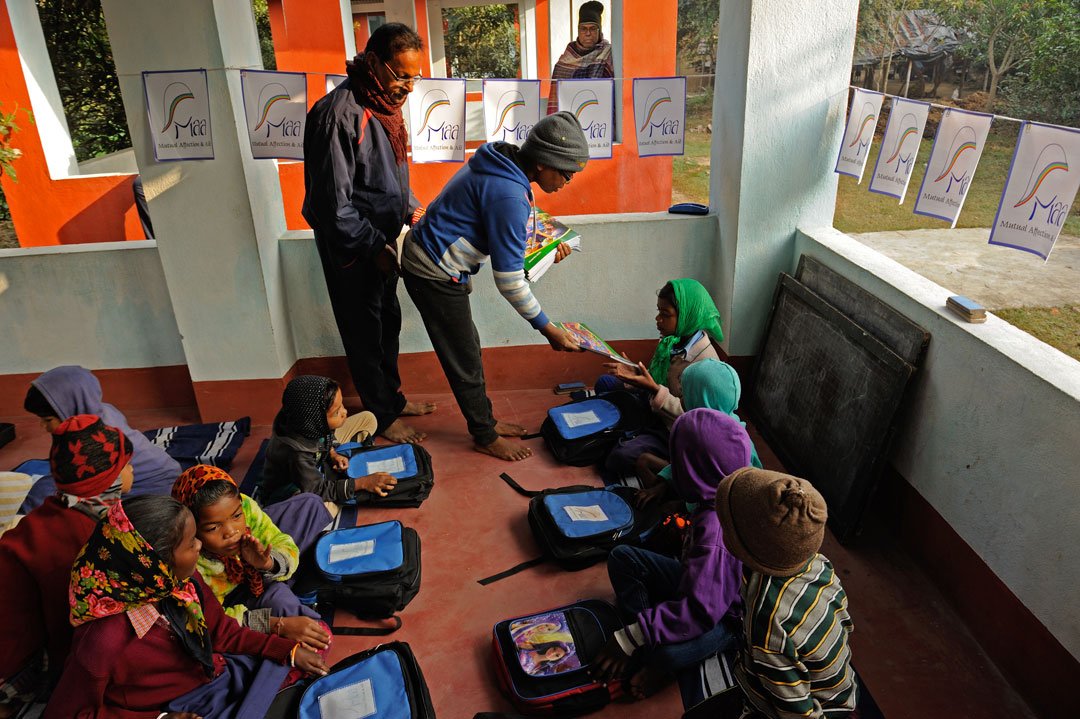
(409,463)
(543,660)
(577,526)
(383,683)
(372,571)
(582,432)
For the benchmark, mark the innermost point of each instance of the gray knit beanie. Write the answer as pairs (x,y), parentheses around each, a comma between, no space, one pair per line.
(774,523)
(557,141)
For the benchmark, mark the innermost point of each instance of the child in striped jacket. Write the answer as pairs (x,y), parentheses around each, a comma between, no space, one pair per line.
(795,660)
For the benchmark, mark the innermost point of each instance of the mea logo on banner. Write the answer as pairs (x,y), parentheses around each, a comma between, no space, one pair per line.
(275,105)
(592,102)
(954,156)
(178,110)
(660,115)
(899,148)
(437,119)
(511,108)
(1040,189)
(859,133)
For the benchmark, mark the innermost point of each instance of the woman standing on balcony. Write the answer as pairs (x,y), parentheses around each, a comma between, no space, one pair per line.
(588,56)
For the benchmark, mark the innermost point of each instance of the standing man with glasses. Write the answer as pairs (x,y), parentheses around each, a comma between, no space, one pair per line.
(356,177)
(482,214)
(588,56)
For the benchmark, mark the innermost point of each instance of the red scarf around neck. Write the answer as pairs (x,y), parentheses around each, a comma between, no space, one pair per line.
(373,95)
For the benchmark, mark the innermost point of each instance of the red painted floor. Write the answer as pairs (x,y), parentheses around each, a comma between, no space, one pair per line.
(914,654)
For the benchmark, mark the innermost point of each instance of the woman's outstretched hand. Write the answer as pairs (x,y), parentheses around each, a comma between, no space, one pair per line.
(559,339)
(637,376)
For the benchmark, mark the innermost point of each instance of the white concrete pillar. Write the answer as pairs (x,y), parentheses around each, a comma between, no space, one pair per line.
(782,73)
(217,221)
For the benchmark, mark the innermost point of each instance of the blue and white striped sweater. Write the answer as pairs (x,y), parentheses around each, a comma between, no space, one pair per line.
(482,214)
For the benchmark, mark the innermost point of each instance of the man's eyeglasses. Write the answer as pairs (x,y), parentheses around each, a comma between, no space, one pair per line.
(403,79)
(566,175)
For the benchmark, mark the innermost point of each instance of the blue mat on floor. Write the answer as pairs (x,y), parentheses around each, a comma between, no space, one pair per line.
(192,444)
(251,479)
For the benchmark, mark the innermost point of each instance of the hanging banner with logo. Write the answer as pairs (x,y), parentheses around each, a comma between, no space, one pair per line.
(593,103)
(859,133)
(333,81)
(1040,189)
(511,108)
(275,106)
(437,120)
(899,148)
(178,108)
(660,115)
(955,154)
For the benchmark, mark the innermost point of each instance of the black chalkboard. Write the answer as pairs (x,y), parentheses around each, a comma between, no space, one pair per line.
(825,395)
(907,339)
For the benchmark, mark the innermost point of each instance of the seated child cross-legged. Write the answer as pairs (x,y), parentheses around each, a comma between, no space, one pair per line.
(688,322)
(150,638)
(249,555)
(795,660)
(680,611)
(301,455)
(90,463)
(712,384)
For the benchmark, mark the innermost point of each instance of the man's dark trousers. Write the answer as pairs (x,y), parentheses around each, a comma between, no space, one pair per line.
(369,320)
(444,307)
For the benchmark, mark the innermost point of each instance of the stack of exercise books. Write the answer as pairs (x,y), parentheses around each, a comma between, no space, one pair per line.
(969,310)
(545,234)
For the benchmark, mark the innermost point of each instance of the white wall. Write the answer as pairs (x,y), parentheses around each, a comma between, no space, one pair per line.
(101,305)
(611,285)
(993,436)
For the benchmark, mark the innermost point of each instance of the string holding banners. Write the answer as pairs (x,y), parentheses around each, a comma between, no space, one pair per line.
(859,133)
(899,148)
(1039,190)
(178,109)
(954,156)
(593,104)
(660,115)
(511,108)
(437,120)
(275,108)
(332,81)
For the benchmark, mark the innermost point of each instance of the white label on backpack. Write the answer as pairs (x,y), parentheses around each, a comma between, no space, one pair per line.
(341,552)
(577,419)
(355,701)
(586,514)
(394,464)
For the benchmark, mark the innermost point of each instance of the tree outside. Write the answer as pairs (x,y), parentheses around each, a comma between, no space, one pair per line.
(482,41)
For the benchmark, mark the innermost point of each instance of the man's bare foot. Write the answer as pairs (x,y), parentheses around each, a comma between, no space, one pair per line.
(647,682)
(400,432)
(416,409)
(505,449)
(509,429)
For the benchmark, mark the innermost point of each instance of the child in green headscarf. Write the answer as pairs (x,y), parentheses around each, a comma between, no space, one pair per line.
(688,322)
(712,384)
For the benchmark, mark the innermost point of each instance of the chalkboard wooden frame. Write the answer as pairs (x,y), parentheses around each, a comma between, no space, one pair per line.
(825,397)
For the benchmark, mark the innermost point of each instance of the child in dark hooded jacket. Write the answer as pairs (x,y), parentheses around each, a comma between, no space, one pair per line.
(680,611)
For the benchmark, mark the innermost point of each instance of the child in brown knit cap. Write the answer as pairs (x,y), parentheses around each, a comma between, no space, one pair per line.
(795,660)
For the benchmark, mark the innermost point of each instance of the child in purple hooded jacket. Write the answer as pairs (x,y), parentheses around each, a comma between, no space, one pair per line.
(680,611)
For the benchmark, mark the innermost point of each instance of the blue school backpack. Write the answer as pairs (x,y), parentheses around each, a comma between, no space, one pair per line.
(543,660)
(372,571)
(382,683)
(409,463)
(583,432)
(577,526)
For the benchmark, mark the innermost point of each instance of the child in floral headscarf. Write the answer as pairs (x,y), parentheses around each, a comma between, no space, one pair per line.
(150,637)
(689,323)
(90,463)
(301,455)
(249,556)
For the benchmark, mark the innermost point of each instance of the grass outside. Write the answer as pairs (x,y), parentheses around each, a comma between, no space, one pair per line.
(1058,327)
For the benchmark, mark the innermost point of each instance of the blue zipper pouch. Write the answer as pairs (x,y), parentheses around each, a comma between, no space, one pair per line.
(398,460)
(580,419)
(358,551)
(578,515)
(374,687)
